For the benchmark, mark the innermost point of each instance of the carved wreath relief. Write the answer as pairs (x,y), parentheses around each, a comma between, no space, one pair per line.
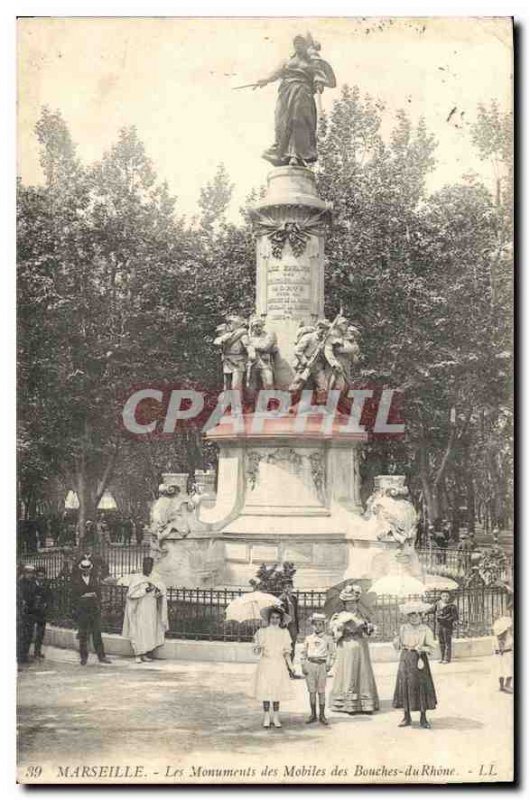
(316,460)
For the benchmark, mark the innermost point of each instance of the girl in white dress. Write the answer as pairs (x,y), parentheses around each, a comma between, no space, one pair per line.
(271,679)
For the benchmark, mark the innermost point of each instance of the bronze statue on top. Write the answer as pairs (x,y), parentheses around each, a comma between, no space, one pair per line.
(302,76)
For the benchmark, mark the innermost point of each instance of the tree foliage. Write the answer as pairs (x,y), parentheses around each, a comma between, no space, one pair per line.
(116,288)
(427,279)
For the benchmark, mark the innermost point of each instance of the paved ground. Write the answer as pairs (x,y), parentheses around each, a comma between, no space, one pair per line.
(197,718)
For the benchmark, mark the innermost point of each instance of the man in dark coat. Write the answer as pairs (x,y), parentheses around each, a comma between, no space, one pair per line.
(42,598)
(446,617)
(441,540)
(290,606)
(26,586)
(86,593)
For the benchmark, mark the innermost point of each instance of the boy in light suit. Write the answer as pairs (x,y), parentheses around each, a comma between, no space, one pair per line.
(316,659)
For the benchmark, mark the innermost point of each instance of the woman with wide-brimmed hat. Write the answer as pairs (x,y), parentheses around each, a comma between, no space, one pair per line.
(414,684)
(354,689)
(271,679)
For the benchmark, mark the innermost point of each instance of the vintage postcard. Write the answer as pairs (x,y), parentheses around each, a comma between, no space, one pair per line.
(265,401)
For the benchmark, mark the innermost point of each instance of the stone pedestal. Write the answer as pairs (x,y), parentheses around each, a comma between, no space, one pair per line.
(193,562)
(290,225)
(286,496)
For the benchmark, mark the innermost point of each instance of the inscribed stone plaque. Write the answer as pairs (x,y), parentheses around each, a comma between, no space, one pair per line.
(264,553)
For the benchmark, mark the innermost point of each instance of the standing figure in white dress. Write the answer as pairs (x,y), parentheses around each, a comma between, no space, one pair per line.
(503,631)
(271,679)
(145,621)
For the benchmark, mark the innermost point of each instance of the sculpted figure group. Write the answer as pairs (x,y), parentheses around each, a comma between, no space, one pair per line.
(174,514)
(325,354)
(247,353)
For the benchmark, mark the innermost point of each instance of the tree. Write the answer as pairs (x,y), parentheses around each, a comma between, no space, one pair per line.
(214,199)
(97,247)
(114,290)
(407,268)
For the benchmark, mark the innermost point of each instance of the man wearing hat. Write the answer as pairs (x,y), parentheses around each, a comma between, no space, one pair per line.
(262,351)
(26,587)
(41,600)
(446,614)
(316,659)
(290,605)
(86,592)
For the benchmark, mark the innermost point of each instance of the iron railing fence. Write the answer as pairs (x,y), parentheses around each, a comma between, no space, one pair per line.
(119,560)
(456,563)
(124,559)
(199,614)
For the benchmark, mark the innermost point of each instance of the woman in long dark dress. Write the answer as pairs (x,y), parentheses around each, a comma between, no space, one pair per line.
(414,685)
(354,689)
(301,76)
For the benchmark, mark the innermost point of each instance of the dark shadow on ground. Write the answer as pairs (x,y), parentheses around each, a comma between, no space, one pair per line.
(455,723)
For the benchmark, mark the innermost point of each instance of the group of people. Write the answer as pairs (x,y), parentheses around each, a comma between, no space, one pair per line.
(34,599)
(61,530)
(145,618)
(343,647)
(339,642)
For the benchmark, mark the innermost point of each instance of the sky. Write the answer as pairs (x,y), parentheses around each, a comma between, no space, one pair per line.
(174,79)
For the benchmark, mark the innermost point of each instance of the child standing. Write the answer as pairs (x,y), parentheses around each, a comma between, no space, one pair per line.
(446,614)
(316,659)
(271,680)
(503,630)
(414,685)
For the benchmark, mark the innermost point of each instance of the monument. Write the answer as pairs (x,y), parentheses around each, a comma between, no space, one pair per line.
(289,490)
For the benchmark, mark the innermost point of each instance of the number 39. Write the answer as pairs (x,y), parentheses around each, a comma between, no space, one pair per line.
(33,772)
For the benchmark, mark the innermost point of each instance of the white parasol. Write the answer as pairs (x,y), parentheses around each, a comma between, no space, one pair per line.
(501,625)
(249,606)
(398,585)
(440,582)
